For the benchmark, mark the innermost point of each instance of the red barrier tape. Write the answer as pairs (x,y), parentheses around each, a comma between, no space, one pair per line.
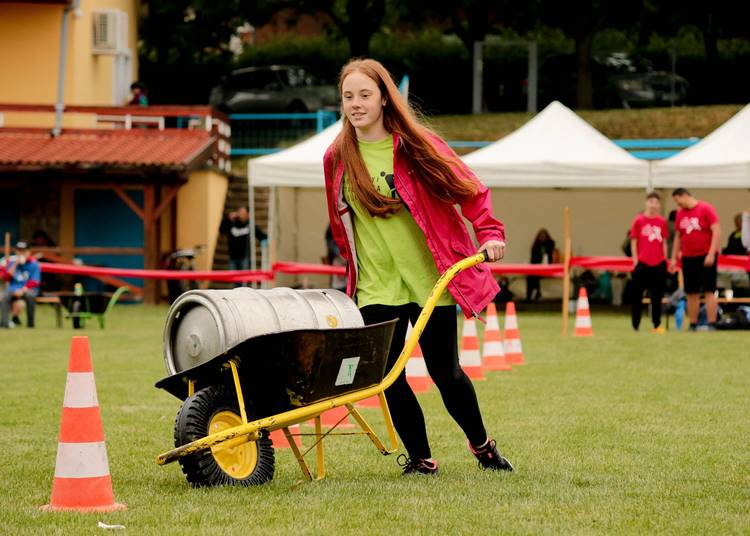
(541,270)
(224,275)
(727,263)
(611,264)
(311,269)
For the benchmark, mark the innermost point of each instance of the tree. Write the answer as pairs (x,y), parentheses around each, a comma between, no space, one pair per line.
(184,44)
(356,20)
(581,20)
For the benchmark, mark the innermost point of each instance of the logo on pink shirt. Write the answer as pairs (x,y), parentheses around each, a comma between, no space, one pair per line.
(652,232)
(690,224)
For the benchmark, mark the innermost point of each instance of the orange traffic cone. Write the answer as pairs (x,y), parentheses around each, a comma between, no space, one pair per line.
(416,375)
(372,402)
(470,359)
(513,350)
(416,369)
(493,351)
(279,440)
(332,417)
(82,481)
(583,316)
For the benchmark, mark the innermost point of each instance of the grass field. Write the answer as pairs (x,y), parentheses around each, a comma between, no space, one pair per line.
(679,122)
(621,433)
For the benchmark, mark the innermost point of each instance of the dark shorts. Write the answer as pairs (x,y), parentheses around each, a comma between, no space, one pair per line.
(698,278)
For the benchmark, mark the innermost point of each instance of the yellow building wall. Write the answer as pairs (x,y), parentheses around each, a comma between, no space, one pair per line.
(30,52)
(200,203)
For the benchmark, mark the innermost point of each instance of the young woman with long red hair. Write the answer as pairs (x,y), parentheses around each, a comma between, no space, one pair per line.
(392,186)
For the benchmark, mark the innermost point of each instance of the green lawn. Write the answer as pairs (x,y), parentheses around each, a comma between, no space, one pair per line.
(680,122)
(621,433)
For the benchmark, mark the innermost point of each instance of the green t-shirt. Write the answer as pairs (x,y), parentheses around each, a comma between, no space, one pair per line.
(394,264)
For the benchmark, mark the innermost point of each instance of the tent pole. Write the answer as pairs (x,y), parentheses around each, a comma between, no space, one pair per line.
(272,237)
(253,221)
(566,269)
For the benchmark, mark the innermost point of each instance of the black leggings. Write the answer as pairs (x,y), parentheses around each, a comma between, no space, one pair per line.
(654,279)
(440,349)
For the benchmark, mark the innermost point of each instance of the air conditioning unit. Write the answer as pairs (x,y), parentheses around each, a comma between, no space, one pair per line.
(110,34)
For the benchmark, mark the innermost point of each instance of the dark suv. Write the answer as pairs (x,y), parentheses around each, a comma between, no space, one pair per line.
(276,88)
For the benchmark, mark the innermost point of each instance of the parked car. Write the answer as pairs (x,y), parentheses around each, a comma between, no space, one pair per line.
(655,88)
(617,81)
(275,88)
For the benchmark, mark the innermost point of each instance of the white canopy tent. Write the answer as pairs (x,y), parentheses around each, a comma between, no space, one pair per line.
(557,149)
(298,166)
(720,160)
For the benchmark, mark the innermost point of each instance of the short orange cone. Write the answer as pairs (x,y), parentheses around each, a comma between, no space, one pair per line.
(493,352)
(416,370)
(82,481)
(583,316)
(279,440)
(372,402)
(513,349)
(470,359)
(416,375)
(332,417)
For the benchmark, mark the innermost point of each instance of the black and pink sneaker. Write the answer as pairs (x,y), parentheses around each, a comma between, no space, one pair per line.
(418,466)
(489,457)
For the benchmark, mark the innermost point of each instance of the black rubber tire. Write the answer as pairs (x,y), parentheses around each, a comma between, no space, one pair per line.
(192,423)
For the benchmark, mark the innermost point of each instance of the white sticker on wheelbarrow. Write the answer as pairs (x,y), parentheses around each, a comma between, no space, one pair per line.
(347,371)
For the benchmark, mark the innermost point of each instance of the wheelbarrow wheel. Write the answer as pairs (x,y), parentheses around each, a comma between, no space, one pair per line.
(211,410)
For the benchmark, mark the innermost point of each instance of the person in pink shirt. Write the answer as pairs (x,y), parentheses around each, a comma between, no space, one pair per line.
(697,237)
(648,244)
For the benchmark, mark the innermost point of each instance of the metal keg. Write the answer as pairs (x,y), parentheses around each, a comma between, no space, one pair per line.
(202,324)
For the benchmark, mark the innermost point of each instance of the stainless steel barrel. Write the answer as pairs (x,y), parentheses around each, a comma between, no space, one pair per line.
(202,324)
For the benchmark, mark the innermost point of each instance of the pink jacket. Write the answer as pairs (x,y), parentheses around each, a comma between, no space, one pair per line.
(447,237)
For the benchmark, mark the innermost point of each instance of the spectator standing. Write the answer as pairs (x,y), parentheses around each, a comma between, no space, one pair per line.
(745,236)
(237,228)
(648,246)
(542,252)
(138,94)
(23,275)
(734,243)
(697,237)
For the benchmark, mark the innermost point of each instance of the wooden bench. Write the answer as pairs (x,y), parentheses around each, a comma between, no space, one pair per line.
(55,302)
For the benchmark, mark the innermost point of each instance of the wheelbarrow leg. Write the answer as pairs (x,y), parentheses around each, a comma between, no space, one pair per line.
(367,429)
(320,463)
(297,454)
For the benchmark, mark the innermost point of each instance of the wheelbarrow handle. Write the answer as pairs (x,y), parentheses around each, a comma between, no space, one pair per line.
(429,307)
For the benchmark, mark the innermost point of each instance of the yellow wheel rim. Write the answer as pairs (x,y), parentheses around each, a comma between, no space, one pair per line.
(238,457)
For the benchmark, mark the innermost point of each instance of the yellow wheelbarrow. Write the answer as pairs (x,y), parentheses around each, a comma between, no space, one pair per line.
(237,389)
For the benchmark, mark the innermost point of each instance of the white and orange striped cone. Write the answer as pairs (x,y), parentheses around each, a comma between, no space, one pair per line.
(493,351)
(416,370)
(279,440)
(82,481)
(512,336)
(470,358)
(416,375)
(583,316)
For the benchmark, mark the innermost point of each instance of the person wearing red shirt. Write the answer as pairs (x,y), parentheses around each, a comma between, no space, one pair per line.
(697,236)
(648,244)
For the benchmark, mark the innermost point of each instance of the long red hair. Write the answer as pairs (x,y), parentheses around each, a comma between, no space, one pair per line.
(443,174)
